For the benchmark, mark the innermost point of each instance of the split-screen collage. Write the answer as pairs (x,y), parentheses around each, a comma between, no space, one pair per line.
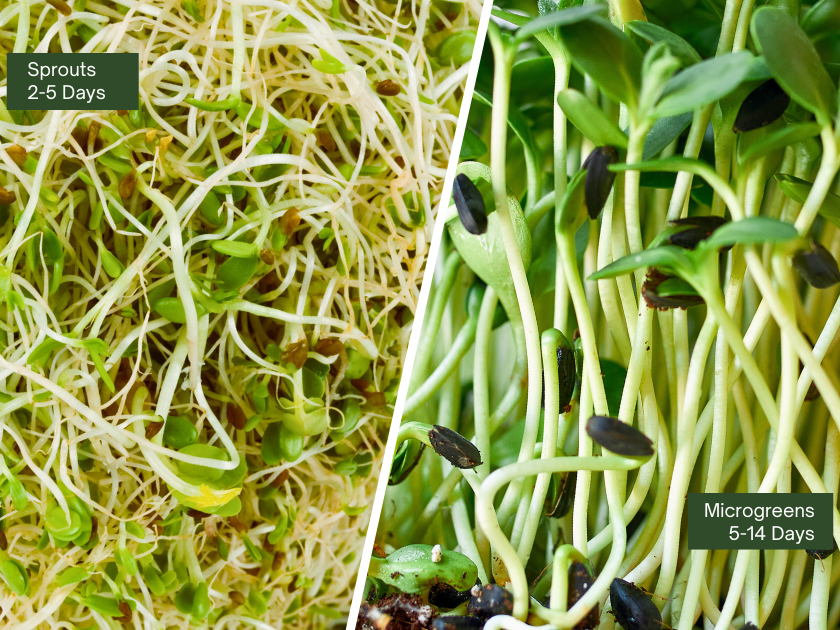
(419,314)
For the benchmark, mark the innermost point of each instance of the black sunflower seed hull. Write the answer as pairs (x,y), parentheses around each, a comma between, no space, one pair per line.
(599,179)
(707,221)
(444,595)
(454,447)
(489,601)
(567,374)
(749,626)
(762,106)
(618,437)
(633,608)
(821,554)
(561,495)
(580,579)
(402,466)
(662,302)
(457,622)
(817,266)
(470,204)
(697,229)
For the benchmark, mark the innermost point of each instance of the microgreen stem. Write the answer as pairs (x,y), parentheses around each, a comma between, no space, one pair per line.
(460,346)
(481,389)
(550,341)
(435,314)
(489,523)
(504,55)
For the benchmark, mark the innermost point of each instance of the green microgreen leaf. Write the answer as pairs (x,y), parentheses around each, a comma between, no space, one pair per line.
(590,119)
(572,209)
(191,7)
(674,286)
(472,146)
(254,118)
(184,598)
(328,64)
(172,308)
(607,55)
(257,602)
(821,19)
(126,561)
(554,19)
(62,525)
(668,257)
(253,550)
(750,231)
(786,136)
(457,49)
(218,106)
(111,264)
(703,83)
(678,47)
(794,62)
(270,447)
(42,351)
(513,18)
(411,569)
(799,189)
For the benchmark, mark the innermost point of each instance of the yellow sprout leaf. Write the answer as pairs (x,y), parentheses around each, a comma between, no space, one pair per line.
(207,497)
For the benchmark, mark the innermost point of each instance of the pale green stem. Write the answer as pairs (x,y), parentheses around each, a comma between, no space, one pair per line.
(822,183)
(820,593)
(504,55)
(460,346)
(434,317)
(481,381)
(464,535)
(560,576)
(550,342)
(583,479)
(561,82)
(682,459)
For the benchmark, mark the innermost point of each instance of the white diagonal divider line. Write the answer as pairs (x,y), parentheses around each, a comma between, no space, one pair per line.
(428,280)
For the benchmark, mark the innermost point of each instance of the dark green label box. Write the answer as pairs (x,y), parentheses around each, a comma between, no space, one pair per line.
(760,521)
(97,81)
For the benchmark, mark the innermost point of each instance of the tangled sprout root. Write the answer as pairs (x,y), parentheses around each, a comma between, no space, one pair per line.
(206,302)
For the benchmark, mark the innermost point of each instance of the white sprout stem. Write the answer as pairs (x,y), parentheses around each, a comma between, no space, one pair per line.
(273,313)
(182,279)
